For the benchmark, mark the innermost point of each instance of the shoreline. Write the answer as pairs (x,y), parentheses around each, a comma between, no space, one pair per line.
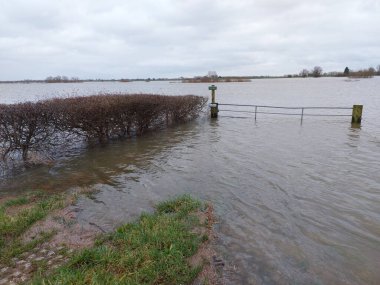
(227,79)
(50,244)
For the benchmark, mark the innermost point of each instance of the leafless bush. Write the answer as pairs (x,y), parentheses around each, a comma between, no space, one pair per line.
(38,126)
(108,116)
(25,127)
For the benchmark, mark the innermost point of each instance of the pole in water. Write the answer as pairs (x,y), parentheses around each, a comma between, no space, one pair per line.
(213,105)
(302,116)
(357,111)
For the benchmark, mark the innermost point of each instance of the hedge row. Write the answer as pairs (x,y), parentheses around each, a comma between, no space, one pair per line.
(29,126)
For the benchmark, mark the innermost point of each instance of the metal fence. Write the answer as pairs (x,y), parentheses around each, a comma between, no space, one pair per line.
(266,109)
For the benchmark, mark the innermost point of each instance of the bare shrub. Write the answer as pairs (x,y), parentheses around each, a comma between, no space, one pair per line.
(25,127)
(107,116)
(38,126)
(3,136)
(185,108)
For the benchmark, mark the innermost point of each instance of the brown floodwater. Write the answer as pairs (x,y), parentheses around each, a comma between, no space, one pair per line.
(296,204)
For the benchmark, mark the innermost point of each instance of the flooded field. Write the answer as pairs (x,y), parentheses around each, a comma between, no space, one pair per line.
(296,204)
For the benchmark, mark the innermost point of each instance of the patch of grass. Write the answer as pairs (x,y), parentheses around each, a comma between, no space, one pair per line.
(41,266)
(153,250)
(13,226)
(16,202)
(180,206)
(17,247)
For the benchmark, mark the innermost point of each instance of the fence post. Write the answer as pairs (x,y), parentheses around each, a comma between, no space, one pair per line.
(213,105)
(357,111)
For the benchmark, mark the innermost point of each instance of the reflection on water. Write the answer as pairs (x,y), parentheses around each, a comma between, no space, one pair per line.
(296,204)
(98,164)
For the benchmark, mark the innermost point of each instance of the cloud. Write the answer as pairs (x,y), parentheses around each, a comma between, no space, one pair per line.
(119,39)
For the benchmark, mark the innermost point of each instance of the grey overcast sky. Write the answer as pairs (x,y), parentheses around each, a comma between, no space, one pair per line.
(172,38)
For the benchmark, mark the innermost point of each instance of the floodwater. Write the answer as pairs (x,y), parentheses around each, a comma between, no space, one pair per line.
(296,204)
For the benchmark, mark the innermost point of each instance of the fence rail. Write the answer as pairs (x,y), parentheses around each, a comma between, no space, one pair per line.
(278,107)
(356,115)
(302,110)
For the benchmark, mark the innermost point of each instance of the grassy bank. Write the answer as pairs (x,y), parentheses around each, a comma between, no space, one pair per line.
(156,249)
(17,215)
(153,250)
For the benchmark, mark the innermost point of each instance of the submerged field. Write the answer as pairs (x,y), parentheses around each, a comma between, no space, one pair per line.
(296,204)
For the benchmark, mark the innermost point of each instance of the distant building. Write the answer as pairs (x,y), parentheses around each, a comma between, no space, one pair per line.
(212,74)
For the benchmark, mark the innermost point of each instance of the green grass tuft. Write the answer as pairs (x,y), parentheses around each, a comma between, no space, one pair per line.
(153,250)
(16,202)
(13,226)
(181,206)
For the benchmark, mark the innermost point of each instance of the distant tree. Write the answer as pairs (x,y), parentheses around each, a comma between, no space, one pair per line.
(363,73)
(317,71)
(304,73)
(378,70)
(371,71)
(212,74)
(346,71)
(333,74)
(58,79)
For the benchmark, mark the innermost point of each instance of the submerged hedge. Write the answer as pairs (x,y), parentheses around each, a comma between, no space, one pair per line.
(26,127)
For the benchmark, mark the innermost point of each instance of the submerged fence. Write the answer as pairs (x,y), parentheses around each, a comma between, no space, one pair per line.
(356,110)
(265,109)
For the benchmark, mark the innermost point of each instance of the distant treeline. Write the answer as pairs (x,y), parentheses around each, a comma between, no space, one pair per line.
(43,125)
(362,73)
(65,79)
(317,72)
(207,79)
(61,79)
